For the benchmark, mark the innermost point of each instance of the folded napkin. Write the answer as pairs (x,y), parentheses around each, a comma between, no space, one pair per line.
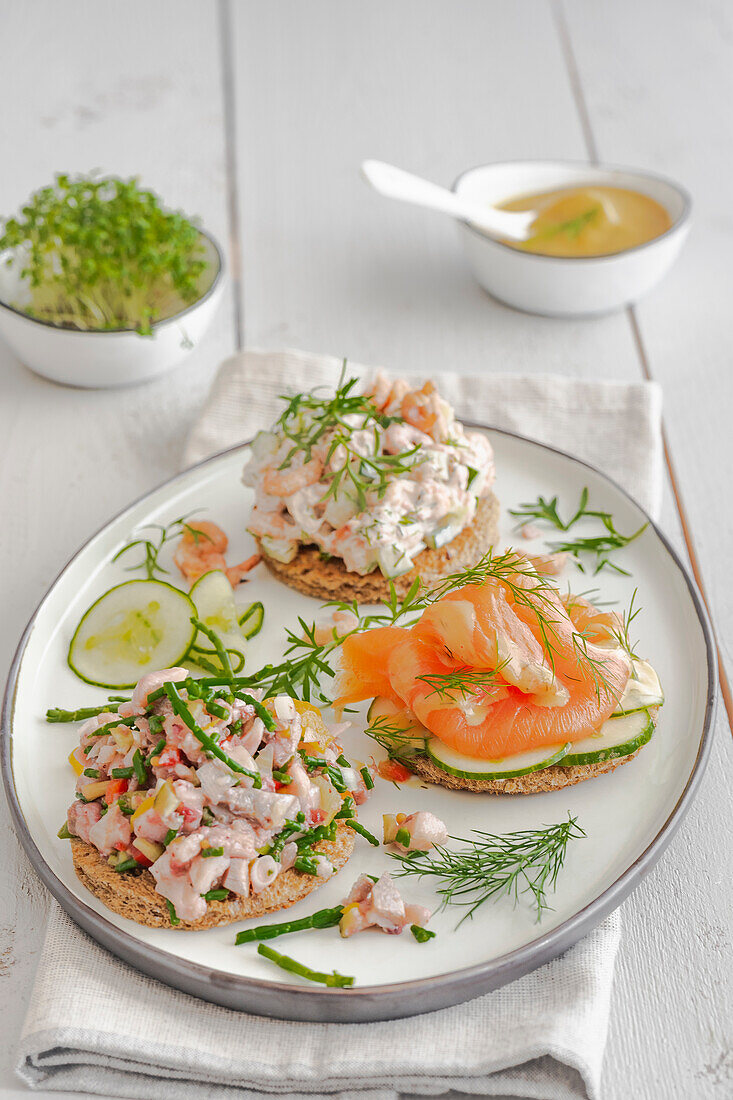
(95,1025)
(613,425)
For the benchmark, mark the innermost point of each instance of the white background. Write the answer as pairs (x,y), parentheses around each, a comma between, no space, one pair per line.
(255,116)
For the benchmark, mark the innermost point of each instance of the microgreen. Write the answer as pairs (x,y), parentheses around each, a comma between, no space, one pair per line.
(103,253)
(524,862)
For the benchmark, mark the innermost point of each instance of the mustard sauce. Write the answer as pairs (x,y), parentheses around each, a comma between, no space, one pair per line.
(589,221)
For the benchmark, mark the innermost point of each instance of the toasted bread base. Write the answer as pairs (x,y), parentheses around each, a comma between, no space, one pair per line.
(135,896)
(553,778)
(330,580)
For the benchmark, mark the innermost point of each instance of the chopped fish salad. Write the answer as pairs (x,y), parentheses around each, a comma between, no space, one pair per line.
(371,478)
(215,791)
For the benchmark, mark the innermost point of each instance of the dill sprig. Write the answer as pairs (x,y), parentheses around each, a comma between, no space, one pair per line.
(309,418)
(524,862)
(598,546)
(621,633)
(152,548)
(461,683)
(399,742)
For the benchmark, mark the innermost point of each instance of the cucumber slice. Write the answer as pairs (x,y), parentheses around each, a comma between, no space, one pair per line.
(134,628)
(468,767)
(393,562)
(616,737)
(251,619)
(642,691)
(282,550)
(213,598)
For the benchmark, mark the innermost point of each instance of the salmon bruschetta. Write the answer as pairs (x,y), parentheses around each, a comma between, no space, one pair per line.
(504,685)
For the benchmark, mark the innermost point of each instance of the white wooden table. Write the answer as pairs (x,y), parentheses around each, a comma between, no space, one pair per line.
(256,117)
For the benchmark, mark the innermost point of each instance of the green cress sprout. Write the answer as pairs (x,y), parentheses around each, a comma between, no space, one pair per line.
(102,253)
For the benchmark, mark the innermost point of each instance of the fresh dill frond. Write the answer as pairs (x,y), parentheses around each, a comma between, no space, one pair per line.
(460,683)
(526,862)
(398,741)
(151,548)
(621,633)
(599,546)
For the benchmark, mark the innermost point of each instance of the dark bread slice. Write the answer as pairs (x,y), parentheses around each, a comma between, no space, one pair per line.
(330,580)
(135,896)
(553,778)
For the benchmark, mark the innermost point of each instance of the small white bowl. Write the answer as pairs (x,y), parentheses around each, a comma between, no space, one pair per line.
(558,286)
(113,357)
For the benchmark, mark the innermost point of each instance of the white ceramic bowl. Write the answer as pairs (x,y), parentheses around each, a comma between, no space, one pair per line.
(116,357)
(569,286)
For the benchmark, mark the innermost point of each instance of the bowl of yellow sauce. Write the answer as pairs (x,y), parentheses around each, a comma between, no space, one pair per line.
(602,236)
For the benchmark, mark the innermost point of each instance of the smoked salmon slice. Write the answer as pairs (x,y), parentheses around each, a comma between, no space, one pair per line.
(497,668)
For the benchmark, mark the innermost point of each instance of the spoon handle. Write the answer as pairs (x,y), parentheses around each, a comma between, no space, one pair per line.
(398,184)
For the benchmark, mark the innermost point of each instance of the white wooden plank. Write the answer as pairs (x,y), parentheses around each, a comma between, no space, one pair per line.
(655,78)
(330,266)
(663,102)
(133,90)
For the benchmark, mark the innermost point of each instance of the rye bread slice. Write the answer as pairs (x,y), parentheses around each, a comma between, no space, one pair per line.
(553,778)
(330,580)
(135,896)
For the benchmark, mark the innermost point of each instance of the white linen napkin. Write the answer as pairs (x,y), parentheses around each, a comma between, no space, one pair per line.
(96,1025)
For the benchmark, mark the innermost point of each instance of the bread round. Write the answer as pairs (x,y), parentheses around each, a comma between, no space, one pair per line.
(553,778)
(331,580)
(135,896)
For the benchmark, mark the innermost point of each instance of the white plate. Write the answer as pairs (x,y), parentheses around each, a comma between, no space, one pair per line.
(629,815)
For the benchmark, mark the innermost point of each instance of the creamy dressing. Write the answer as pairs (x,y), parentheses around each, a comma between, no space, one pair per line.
(426,497)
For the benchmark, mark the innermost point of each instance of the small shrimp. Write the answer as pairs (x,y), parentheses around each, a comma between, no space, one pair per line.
(549,565)
(334,626)
(421,409)
(283,483)
(202,549)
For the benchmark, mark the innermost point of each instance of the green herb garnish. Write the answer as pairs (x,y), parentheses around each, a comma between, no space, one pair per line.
(523,862)
(324,918)
(422,935)
(103,253)
(287,963)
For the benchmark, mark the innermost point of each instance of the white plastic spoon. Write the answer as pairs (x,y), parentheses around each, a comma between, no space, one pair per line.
(396,184)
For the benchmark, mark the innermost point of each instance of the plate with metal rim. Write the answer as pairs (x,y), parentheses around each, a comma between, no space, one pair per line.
(629,815)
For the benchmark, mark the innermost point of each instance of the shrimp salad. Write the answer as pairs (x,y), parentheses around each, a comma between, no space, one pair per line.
(216,792)
(370,478)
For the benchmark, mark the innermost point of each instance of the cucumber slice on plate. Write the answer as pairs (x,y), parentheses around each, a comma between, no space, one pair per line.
(642,691)
(618,736)
(134,628)
(251,619)
(213,598)
(469,767)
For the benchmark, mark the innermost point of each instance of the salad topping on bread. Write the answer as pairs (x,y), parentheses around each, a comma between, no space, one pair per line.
(214,791)
(372,479)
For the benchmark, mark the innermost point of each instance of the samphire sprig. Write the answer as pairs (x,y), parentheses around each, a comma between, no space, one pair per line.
(103,253)
(490,865)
